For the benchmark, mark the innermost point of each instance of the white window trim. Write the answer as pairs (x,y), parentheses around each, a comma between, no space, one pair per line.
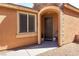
(25,34)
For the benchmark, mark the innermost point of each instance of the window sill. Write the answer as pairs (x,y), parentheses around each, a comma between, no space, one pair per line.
(21,35)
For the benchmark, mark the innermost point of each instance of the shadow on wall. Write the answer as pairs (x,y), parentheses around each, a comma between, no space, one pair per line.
(76,39)
(70,13)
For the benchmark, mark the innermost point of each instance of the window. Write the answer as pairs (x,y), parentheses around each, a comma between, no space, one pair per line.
(26,23)
(31,23)
(23,23)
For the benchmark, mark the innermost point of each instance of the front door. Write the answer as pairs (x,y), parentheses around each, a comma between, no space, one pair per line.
(48,36)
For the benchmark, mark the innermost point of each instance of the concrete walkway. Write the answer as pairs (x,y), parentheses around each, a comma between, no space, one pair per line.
(71,49)
(31,50)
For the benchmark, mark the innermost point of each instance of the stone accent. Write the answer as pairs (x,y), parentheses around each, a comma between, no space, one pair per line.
(38,6)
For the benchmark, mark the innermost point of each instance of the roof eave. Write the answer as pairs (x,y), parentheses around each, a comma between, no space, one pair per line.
(17,7)
(69,6)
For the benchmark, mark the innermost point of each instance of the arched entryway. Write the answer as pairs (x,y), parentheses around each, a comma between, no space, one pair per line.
(48,21)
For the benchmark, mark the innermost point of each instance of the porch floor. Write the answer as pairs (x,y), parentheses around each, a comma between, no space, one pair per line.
(31,50)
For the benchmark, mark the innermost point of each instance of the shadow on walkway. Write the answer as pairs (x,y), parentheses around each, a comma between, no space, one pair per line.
(45,44)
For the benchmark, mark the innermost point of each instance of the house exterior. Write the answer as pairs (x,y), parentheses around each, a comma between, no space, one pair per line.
(21,25)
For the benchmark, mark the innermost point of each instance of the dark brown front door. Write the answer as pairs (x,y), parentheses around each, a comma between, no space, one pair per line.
(48,28)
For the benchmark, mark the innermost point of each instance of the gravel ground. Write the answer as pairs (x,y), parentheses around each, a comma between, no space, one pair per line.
(71,49)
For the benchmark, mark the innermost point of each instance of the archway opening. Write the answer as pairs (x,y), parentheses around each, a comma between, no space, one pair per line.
(49,21)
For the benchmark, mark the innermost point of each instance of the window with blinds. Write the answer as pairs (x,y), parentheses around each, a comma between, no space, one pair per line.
(26,23)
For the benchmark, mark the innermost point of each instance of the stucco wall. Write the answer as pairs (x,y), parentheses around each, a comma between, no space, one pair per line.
(55,23)
(71,25)
(8,31)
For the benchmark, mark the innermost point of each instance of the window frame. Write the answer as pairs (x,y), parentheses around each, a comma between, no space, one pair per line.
(18,22)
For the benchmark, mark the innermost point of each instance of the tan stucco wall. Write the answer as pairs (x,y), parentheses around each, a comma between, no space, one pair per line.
(71,25)
(8,31)
(55,23)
